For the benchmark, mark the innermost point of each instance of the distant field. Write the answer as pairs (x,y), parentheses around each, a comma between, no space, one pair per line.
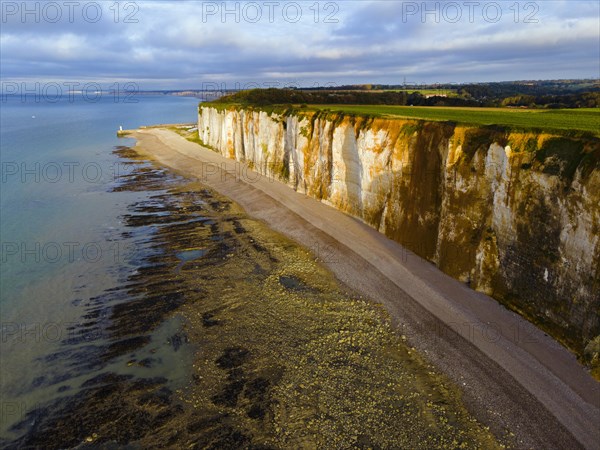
(583,119)
(425,92)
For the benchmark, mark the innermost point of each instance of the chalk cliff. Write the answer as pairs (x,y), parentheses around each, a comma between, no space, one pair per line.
(514,214)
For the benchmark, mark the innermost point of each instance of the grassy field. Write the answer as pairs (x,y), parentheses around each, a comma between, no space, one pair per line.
(584,119)
(426,92)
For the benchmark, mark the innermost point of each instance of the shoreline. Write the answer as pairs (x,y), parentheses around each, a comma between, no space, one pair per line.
(234,336)
(513,375)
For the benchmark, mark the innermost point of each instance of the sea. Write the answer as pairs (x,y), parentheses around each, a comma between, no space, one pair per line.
(63,236)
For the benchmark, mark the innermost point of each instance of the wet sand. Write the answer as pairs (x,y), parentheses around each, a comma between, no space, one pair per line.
(513,377)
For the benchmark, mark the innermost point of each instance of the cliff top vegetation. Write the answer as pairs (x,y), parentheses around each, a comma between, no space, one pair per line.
(395,104)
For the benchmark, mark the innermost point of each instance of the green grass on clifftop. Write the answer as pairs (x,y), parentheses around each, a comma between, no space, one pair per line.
(395,103)
(562,121)
(583,119)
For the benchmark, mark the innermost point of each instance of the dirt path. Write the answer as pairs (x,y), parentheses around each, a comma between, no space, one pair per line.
(513,376)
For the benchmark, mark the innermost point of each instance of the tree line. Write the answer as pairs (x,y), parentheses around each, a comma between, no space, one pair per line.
(488,95)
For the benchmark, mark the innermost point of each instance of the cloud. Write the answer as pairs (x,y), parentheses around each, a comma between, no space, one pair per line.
(170,45)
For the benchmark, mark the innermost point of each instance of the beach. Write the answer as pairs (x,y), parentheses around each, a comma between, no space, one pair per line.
(513,377)
(230,335)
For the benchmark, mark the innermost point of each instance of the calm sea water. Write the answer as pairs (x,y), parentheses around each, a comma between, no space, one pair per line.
(60,223)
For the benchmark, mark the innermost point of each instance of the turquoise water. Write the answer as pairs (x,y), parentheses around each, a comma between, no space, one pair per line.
(60,223)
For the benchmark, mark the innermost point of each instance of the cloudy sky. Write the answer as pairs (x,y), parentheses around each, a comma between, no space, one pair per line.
(191,44)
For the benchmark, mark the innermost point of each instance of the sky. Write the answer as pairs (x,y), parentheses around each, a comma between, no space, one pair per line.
(199,44)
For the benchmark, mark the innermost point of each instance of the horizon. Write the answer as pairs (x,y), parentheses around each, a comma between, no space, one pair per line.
(44,89)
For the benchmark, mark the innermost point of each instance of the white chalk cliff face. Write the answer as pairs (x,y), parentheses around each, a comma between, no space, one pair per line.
(515,214)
